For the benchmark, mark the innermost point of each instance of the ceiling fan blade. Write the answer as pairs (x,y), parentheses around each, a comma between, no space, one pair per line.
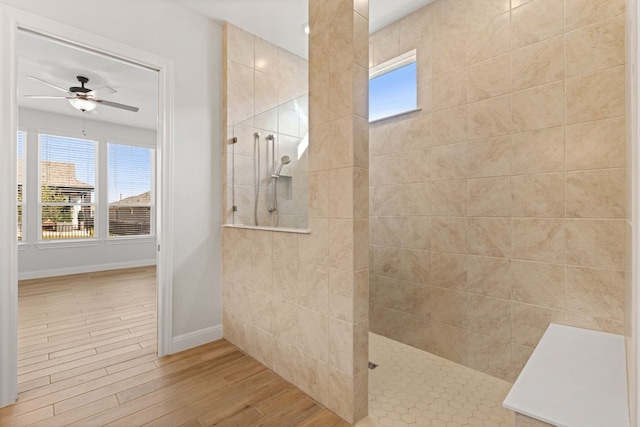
(49,84)
(46,97)
(102,91)
(116,105)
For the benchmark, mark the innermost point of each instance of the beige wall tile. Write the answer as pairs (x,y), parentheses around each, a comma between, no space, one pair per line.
(529,323)
(489,78)
(490,316)
(449,126)
(266,96)
(285,275)
(449,198)
(388,262)
(341,346)
(488,157)
(449,162)
(538,240)
(596,193)
(596,47)
(449,54)
(449,90)
(415,199)
(595,243)
(415,233)
(489,276)
(448,18)
(341,243)
(538,64)
(597,144)
(595,323)
(449,234)
(416,265)
(595,292)
(596,96)
(417,165)
(319,194)
(489,355)
(538,151)
(386,44)
(387,323)
(519,357)
(313,287)
(415,29)
(341,201)
(489,118)
(449,342)
(387,231)
(490,197)
(584,12)
(489,237)
(449,270)
(240,45)
(489,38)
(285,245)
(386,200)
(341,143)
(538,284)
(261,272)
(538,195)
(538,108)
(535,21)
(449,306)
(394,294)
(341,395)
(481,10)
(314,247)
(416,332)
(314,333)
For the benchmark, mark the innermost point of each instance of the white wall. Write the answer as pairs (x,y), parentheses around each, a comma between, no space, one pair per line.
(194,44)
(58,258)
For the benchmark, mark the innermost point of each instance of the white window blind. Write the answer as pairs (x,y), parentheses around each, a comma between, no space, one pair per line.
(131,192)
(22,137)
(67,187)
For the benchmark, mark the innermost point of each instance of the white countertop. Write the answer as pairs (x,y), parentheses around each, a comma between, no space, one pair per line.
(574,378)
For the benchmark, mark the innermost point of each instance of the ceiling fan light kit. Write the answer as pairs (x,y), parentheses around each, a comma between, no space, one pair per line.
(82,98)
(83,104)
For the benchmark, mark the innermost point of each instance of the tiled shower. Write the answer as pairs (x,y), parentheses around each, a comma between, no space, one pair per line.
(495,209)
(500,206)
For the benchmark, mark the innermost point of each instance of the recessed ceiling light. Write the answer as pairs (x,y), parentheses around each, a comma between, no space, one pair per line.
(305,28)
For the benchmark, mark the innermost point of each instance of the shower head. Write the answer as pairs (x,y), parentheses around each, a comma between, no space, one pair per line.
(285,160)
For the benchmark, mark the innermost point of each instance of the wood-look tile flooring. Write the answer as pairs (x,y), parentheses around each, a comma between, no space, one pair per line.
(87,357)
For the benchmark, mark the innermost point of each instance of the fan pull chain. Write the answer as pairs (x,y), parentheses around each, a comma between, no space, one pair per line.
(84,125)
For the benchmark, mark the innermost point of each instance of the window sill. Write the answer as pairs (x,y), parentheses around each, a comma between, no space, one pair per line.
(130,240)
(394,115)
(67,244)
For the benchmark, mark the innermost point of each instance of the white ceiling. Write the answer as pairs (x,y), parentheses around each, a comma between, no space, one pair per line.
(278,21)
(59,63)
(281,21)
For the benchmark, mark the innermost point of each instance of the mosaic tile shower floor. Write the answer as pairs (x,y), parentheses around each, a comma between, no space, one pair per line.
(411,387)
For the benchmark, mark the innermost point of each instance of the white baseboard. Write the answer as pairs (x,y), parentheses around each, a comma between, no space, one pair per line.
(196,338)
(84,269)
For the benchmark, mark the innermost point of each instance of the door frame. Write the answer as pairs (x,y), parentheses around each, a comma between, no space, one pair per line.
(11,21)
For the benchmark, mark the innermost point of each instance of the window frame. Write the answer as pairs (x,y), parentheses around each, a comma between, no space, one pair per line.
(25,137)
(152,205)
(96,189)
(390,66)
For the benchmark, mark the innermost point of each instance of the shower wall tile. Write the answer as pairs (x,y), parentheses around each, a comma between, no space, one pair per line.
(596,47)
(538,151)
(596,96)
(585,12)
(596,145)
(489,38)
(535,21)
(489,78)
(538,108)
(516,213)
(538,64)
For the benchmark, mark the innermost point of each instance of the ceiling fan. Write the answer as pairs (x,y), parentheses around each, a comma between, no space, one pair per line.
(83,98)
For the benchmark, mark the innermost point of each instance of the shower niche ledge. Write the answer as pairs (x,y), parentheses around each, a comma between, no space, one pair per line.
(280,229)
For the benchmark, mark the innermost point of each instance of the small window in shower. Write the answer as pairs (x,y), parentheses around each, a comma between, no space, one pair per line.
(393,87)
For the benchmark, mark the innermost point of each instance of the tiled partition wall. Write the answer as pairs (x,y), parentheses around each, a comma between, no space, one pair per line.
(299,302)
(499,207)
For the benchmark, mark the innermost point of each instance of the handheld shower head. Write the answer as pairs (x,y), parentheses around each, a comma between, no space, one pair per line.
(285,160)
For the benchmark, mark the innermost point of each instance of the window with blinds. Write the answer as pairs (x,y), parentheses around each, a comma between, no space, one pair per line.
(22,138)
(67,187)
(131,193)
